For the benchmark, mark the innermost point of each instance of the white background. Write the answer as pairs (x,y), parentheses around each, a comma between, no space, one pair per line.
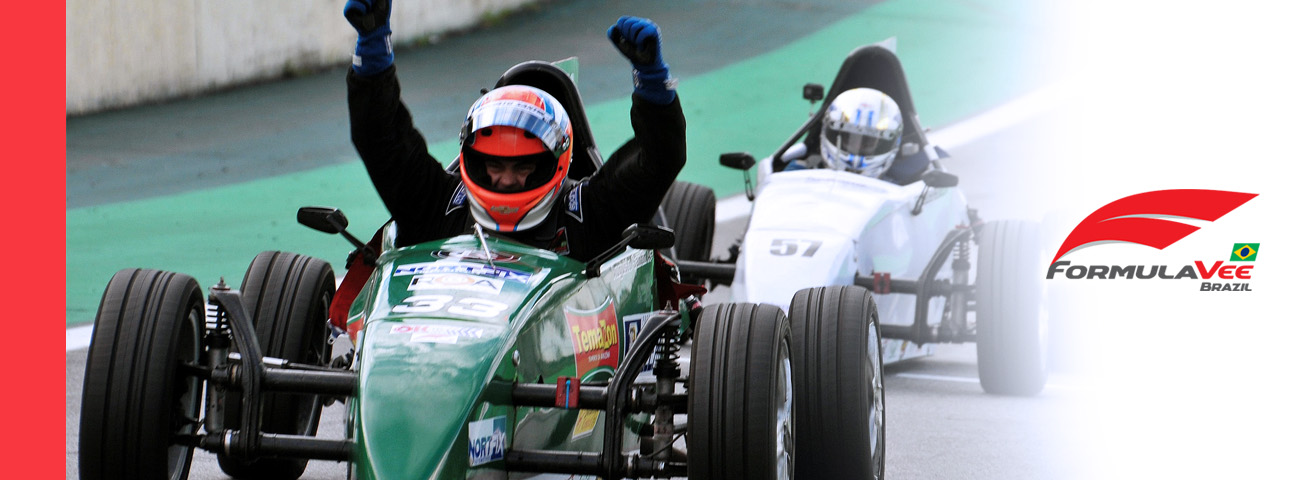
(1191,384)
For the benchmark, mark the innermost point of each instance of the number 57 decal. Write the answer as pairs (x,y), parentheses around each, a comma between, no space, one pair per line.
(784,247)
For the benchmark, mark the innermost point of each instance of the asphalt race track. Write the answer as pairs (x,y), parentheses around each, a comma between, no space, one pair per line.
(940,423)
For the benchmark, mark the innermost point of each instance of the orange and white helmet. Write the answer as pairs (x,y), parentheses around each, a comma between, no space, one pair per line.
(515,122)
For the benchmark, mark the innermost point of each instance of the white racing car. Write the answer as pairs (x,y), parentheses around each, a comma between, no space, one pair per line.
(937,273)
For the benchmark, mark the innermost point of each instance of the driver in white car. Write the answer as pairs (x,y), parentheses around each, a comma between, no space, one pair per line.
(861,132)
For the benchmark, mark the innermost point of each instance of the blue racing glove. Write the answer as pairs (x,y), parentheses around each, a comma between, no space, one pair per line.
(641,42)
(371,18)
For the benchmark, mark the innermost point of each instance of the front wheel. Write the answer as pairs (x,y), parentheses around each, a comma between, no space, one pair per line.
(138,395)
(840,395)
(1011,323)
(741,394)
(287,297)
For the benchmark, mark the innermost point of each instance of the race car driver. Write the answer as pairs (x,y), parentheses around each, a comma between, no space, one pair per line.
(861,132)
(516,147)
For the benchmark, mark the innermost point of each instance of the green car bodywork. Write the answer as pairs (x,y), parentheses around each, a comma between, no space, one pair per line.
(445,328)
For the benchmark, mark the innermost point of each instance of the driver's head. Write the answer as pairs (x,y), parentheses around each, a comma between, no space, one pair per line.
(861,132)
(517,147)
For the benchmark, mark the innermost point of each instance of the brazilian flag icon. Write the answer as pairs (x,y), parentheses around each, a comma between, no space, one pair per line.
(1244,252)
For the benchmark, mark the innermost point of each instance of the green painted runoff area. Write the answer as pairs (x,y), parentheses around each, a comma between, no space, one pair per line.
(961,59)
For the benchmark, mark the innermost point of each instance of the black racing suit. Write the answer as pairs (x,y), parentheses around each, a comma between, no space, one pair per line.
(429,203)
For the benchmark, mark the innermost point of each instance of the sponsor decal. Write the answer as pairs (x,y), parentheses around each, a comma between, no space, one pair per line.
(456,281)
(464,268)
(574,203)
(437,333)
(631,327)
(594,338)
(486,440)
(504,209)
(1131,219)
(475,255)
(585,423)
(457,200)
(625,265)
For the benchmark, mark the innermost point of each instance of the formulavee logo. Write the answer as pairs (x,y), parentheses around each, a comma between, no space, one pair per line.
(1131,219)
(1199,269)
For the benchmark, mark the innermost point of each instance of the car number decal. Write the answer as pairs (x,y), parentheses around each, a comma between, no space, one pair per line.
(470,306)
(784,247)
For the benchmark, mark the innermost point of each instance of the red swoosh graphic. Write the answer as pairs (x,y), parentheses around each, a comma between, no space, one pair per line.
(1107,223)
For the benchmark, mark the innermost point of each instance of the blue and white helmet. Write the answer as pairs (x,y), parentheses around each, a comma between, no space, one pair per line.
(861,132)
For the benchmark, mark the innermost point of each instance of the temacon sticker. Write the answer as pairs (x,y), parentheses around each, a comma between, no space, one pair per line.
(456,281)
(594,338)
(437,333)
(486,440)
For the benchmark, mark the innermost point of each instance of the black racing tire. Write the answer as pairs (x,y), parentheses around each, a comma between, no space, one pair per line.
(838,383)
(136,394)
(741,394)
(287,297)
(1011,323)
(691,212)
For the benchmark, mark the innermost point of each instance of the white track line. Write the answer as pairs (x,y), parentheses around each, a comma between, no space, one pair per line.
(77,337)
(945,378)
(737,207)
(942,378)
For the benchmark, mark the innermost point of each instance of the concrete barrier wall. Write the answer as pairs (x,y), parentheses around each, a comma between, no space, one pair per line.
(124,52)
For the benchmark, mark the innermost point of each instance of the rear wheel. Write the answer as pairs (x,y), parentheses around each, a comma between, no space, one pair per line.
(839,391)
(287,297)
(691,211)
(1011,323)
(741,394)
(138,394)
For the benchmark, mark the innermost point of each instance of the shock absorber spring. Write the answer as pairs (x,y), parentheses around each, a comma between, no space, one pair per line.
(217,342)
(957,302)
(667,371)
(962,253)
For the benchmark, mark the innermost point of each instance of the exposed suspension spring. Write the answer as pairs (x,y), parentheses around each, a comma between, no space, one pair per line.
(954,326)
(666,352)
(962,253)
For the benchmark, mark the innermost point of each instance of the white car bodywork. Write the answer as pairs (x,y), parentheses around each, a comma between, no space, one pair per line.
(819,227)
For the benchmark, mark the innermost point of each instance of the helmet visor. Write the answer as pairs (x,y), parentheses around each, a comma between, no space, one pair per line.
(860,143)
(475,164)
(531,118)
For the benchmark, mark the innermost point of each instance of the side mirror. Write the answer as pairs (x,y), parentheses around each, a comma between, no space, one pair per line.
(649,237)
(813,92)
(323,219)
(643,237)
(737,160)
(939,179)
(332,220)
